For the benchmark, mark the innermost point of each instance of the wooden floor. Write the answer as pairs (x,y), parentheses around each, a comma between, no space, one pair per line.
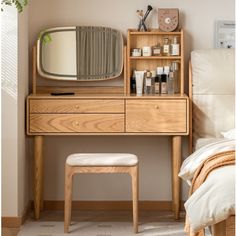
(163,222)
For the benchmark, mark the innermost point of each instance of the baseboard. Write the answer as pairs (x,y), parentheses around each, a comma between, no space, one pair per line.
(16,222)
(110,205)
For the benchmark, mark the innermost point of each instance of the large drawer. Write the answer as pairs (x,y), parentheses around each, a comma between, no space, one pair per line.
(158,116)
(71,123)
(76,106)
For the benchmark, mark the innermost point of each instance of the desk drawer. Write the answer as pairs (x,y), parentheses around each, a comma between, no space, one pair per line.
(161,116)
(71,123)
(76,106)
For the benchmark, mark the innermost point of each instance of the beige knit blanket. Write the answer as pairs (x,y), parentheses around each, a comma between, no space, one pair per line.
(215,161)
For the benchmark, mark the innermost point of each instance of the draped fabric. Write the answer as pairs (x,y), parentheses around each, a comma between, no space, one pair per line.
(99,52)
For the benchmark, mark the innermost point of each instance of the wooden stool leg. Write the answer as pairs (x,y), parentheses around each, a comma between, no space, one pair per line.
(135,190)
(68,197)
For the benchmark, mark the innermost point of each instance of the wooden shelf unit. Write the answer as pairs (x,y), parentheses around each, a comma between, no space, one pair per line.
(137,39)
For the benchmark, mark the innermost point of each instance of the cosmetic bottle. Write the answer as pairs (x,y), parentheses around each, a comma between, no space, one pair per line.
(171,83)
(156,50)
(166,47)
(158,80)
(154,74)
(175,68)
(133,83)
(148,83)
(166,70)
(163,84)
(175,47)
(139,75)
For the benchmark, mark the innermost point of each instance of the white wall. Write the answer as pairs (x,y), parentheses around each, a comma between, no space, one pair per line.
(15,184)
(197,18)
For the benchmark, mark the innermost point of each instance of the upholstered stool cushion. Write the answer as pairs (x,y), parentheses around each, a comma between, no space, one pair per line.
(102,159)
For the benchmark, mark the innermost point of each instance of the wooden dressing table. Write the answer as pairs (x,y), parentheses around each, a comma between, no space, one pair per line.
(106,111)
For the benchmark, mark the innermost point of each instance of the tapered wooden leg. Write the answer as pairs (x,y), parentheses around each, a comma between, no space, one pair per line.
(68,198)
(176,162)
(135,194)
(38,174)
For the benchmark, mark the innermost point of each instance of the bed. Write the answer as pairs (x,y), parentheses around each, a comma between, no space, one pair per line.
(210,169)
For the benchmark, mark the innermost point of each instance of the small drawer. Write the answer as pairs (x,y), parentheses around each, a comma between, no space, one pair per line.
(158,116)
(72,123)
(76,106)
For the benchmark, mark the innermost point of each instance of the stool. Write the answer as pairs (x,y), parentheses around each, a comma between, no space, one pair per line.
(100,163)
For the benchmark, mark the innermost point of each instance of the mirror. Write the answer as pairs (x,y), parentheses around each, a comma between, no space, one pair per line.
(83,53)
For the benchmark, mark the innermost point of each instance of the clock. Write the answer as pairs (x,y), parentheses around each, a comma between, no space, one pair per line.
(168,19)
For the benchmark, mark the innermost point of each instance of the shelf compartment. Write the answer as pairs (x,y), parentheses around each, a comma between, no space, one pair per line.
(156,58)
(153,32)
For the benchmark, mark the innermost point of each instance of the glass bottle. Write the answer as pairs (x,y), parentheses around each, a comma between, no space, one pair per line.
(133,83)
(166,47)
(156,50)
(175,47)
(163,84)
(148,83)
(171,83)
(158,80)
(175,68)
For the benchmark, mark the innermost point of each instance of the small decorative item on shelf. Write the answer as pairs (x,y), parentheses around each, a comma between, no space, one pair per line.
(149,83)
(163,83)
(139,75)
(175,47)
(166,47)
(147,51)
(133,83)
(168,19)
(142,18)
(136,52)
(175,68)
(156,50)
(171,83)
(158,80)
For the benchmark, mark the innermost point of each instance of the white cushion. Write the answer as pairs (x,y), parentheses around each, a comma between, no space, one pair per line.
(102,159)
(231,134)
(213,74)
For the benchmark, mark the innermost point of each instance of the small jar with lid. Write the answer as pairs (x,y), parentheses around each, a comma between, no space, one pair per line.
(156,50)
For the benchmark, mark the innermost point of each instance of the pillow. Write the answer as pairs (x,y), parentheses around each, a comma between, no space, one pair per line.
(191,163)
(231,134)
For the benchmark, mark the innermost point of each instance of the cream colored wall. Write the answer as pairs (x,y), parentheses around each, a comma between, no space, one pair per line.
(15,169)
(23,91)
(197,18)
(9,113)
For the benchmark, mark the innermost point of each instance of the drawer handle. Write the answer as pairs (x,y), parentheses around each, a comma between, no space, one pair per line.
(77,123)
(77,106)
(157,107)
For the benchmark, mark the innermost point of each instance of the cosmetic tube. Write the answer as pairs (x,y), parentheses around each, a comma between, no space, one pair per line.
(139,81)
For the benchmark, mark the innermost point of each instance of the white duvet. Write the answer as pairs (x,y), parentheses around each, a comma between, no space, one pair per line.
(214,200)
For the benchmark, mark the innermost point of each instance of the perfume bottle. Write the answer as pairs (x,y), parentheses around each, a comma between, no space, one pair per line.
(163,84)
(175,68)
(166,47)
(133,83)
(171,82)
(175,47)
(156,50)
(158,80)
(148,83)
